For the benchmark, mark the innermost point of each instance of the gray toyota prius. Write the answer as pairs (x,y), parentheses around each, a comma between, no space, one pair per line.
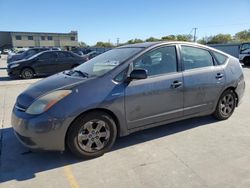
(124,90)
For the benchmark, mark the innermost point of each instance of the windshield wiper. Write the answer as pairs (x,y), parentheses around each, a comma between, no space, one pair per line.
(83,74)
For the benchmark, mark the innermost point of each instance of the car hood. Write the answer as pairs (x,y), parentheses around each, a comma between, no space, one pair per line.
(47,85)
(15,57)
(17,62)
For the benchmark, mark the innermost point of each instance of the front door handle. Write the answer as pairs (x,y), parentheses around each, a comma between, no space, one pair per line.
(176,84)
(219,75)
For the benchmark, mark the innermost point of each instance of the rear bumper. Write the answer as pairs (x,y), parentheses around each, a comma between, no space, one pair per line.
(240,90)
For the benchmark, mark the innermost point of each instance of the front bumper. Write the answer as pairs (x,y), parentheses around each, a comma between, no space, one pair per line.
(40,132)
(13,73)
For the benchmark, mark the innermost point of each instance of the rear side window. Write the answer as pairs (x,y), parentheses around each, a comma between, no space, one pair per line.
(221,59)
(61,55)
(47,55)
(193,58)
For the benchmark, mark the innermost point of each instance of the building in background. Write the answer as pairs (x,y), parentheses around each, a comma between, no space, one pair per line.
(13,39)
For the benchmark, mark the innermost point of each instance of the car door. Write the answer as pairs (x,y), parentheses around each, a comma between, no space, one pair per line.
(45,63)
(158,97)
(64,61)
(203,80)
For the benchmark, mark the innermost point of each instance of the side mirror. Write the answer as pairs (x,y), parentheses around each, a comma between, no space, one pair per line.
(138,74)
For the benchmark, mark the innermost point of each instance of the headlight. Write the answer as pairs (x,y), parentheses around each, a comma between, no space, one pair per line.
(14,65)
(45,102)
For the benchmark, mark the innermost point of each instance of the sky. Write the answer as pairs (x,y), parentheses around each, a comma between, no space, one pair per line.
(107,20)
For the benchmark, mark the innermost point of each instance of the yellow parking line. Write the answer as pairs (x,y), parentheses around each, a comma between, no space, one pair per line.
(71,178)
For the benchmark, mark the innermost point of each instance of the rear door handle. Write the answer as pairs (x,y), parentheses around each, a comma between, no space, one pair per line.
(176,84)
(219,75)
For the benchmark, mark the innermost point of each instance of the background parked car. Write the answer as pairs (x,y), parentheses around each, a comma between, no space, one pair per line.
(91,55)
(27,53)
(43,64)
(81,51)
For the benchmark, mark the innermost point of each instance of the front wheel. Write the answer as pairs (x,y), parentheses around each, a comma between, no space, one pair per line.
(91,135)
(226,105)
(27,73)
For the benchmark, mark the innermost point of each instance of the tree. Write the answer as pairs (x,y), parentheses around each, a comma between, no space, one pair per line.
(203,40)
(184,38)
(82,44)
(169,38)
(133,41)
(220,38)
(243,36)
(151,39)
(104,44)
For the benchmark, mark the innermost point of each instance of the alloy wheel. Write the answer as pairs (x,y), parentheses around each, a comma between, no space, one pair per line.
(93,136)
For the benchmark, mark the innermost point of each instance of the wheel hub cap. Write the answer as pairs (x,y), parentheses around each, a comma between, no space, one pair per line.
(93,136)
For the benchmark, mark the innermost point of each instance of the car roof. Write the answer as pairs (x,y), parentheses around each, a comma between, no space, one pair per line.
(149,44)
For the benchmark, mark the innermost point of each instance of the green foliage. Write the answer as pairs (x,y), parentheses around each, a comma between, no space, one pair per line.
(82,44)
(151,39)
(220,38)
(169,38)
(243,36)
(133,41)
(104,44)
(187,38)
(203,40)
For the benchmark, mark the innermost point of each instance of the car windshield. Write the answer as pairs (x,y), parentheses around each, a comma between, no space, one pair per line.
(107,61)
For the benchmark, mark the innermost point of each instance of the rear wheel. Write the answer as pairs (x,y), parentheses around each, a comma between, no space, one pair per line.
(27,73)
(226,105)
(92,135)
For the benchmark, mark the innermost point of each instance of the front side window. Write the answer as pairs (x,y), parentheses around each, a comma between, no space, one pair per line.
(30,53)
(159,61)
(193,58)
(72,38)
(107,61)
(50,38)
(42,37)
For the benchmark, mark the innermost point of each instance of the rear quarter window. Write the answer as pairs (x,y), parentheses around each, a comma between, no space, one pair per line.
(220,58)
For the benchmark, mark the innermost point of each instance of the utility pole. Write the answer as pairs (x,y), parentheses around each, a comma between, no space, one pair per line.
(117,41)
(195,33)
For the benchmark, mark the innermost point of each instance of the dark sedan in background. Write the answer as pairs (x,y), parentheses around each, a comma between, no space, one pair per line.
(27,54)
(44,64)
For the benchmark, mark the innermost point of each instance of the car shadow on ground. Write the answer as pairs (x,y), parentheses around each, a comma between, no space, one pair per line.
(18,163)
(245,66)
(6,78)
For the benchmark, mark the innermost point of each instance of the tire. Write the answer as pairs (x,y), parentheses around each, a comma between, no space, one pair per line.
(91,135)
(246,61)
(27,73)
(226,105)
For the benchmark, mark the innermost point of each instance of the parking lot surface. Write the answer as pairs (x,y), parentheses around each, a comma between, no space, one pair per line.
(200,152)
